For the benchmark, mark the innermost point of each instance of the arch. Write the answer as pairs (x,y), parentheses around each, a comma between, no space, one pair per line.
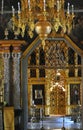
(24,66)
(65,38)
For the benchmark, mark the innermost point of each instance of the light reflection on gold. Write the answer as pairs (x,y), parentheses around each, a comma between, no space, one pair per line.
(58,79)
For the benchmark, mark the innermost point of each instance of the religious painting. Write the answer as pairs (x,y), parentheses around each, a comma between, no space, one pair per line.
(74,94)
(38,94)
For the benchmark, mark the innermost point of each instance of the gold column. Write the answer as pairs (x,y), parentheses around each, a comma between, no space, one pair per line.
(47,93)
(37,62)
(82,91)
(76,63)
(67,87)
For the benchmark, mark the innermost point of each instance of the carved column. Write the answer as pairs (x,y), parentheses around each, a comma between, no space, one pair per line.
(76,63)
(1,79)
(16,79)
(37,62)
(7,48)
(47,92)
(82,91)
(6,57)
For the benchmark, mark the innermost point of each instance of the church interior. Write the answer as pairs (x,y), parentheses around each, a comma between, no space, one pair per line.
(41,64)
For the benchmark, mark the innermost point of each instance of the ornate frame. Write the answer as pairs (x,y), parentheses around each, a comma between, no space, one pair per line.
(38,95)
(74,94)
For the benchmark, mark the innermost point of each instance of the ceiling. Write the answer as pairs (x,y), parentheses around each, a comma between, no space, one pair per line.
(76,34)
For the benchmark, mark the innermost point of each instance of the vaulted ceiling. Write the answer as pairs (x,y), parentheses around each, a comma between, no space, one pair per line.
(76,34)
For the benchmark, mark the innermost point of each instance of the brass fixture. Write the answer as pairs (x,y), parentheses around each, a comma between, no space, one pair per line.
(42,16)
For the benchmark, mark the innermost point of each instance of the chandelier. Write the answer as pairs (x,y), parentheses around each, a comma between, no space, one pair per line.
(43,17)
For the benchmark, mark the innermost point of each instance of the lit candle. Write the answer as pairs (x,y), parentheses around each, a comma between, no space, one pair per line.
(44,5)
(2,3)
(72,9)
(29,4)
(19,6)
(58,6)
(33,102)
(68,8)
(13,10)
(2,7)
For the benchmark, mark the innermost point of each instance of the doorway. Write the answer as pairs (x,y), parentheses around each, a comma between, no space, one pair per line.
(57,92)
(57,102)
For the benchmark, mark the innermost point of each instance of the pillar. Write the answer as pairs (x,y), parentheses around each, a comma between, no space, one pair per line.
(16,79)
(37,61)
(82,90)
(24,93)
(7,48)
(6,57)
(11,83)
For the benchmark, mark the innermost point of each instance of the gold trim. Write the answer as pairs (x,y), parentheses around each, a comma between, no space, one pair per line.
(77,49)
(11,42)
(65,37)
(29,47)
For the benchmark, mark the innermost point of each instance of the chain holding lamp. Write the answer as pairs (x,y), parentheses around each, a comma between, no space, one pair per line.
(43,17)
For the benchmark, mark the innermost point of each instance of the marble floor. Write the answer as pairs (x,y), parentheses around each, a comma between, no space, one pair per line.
(55,123)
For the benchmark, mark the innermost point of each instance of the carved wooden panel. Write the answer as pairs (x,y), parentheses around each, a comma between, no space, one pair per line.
(53,102)
(61,101)
(57,101)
